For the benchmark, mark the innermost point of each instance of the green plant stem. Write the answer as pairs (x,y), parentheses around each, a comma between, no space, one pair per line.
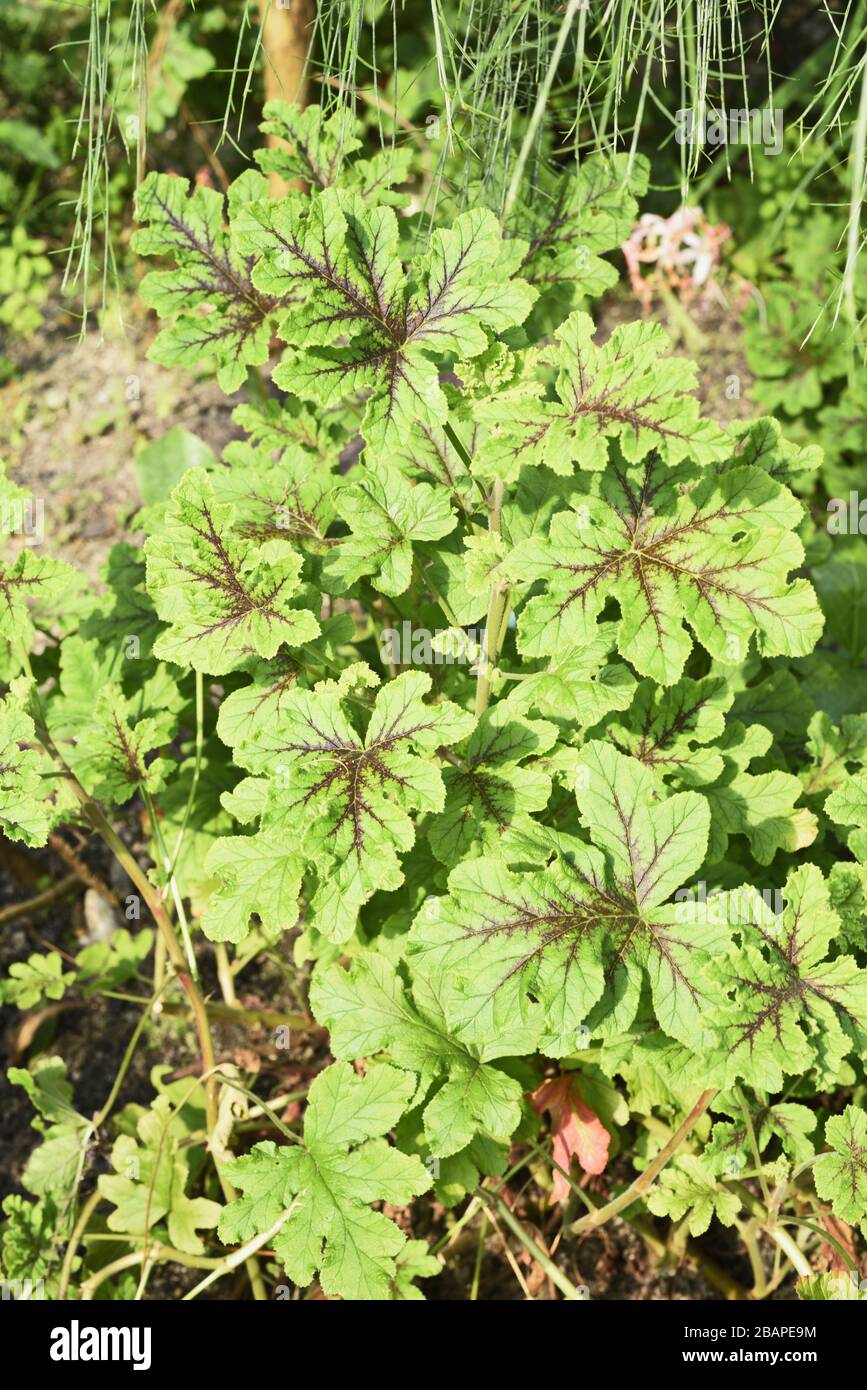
(453,438)
(856,199)
(225,976)
(75,1240)
(234,1084)
(544,1261)
(157,1254)
(89,1287)
(480,1251)
(254,1118)
(152,898)
(242,1256)
(425,581)
(825,1236)
(161,1252)
(98,822)
(641,1223)
(109,835)
(98,1121)
(781,1192)
(790,1250)
(82,870)
(160,963)
(227,1013)
(499,605)
(754,1145)
(102,1115)
(211,1118)
(156,831)
(197,766)
(747,1231)
(645,1180)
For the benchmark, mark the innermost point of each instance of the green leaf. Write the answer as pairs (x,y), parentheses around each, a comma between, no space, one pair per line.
(160,465)
(28,142)
(351,794)
(123,626)
(790,1007)
(578,684)
(761,445)
(367,1011)
(412,1262)
(152,1172)
(54,1167)
(777,702)
(322,149)
(258,874)
(571,221)
(358,324)
(329,1182)
(841,584)
(31,1235)
(689,1186)
(23,811)
(628,390)
(219,314)
(385,513)
(833,751)
(669,729)
(730,1148)
(28,579)
(255,706)
(112,755)
(223,596)
(843,427)
(837,1284)
(841,1175)
(293,500)
(760,806)
(108,964)
(848,806)
(790,355)
(285,426)
(716,556)
(847,885)
(427,453)
(488,789)
(535,954)
(32,981)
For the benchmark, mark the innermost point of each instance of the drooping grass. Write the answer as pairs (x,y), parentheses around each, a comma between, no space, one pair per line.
(517,82)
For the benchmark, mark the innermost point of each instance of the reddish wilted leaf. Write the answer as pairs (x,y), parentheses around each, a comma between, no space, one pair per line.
(576,1128)
(832,1257)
